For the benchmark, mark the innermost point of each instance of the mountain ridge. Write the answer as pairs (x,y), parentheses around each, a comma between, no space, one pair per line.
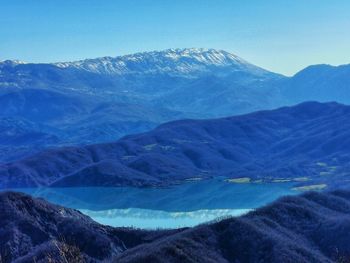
(202,85)
(204,56)
(160,83)
(188,60)
(284,144)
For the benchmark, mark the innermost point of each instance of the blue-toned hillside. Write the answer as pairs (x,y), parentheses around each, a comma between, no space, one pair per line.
(307,144)
(320,83)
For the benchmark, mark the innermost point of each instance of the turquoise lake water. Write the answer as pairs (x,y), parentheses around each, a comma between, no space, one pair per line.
(178,206)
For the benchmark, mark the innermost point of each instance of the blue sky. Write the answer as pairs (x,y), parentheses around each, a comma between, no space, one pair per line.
(281,35)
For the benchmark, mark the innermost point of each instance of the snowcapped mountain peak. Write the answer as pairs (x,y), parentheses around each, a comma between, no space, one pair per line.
(179,61)
(12,62)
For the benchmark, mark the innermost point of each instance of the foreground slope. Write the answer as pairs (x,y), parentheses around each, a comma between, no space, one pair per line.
(308,142)
(33,229)
(312,227)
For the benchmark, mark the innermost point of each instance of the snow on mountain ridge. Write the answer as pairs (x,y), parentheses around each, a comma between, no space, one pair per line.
(12,62)
(170,61)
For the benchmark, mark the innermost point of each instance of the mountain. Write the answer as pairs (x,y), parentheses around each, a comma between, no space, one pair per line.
(148,76)
(100,100)
(35,230)
(309,228)
(215,82)
(176,62)
(308,143)
(312,227)
(319,82)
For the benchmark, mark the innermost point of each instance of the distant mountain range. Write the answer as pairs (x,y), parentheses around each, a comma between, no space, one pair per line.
(306,144)
(312,227)
(189,62)
(100,100)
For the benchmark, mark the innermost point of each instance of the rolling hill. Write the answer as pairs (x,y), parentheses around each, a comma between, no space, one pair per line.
(307,143)
(65,119)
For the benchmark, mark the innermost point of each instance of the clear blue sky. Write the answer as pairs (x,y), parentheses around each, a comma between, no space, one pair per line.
(281,35)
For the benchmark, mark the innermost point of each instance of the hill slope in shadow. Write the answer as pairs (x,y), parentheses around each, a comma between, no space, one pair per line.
(312,227)
(307,142)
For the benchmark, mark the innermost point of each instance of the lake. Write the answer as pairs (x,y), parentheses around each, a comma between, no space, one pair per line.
(178,206)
